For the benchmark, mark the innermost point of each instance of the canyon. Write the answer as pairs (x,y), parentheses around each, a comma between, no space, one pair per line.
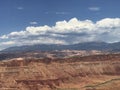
(90,72)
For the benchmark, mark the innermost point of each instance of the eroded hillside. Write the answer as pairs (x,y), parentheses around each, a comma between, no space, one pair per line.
(74,73)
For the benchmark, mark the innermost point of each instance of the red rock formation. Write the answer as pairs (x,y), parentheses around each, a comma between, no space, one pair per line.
(48,74)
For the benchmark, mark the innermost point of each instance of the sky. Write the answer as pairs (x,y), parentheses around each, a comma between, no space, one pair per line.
(28,22)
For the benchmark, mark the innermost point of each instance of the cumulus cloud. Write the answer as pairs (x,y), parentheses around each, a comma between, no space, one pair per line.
(109,23)
(66,32)
(94,8)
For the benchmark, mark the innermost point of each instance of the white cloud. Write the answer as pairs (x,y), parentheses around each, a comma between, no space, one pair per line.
(62,13)
(33,23)
(65,32)
(8,43)
(109,23)
(20,8)
(73,25)
(57,13)
(4,37)
(94,8)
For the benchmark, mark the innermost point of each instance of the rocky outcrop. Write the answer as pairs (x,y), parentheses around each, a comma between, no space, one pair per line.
(51,74)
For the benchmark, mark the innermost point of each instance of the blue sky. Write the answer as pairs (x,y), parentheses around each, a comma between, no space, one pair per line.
(17,15)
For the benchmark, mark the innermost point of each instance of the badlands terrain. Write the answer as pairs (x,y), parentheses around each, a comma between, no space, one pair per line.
(60,70)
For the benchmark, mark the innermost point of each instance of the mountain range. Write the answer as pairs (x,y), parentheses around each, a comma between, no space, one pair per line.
(102,46)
